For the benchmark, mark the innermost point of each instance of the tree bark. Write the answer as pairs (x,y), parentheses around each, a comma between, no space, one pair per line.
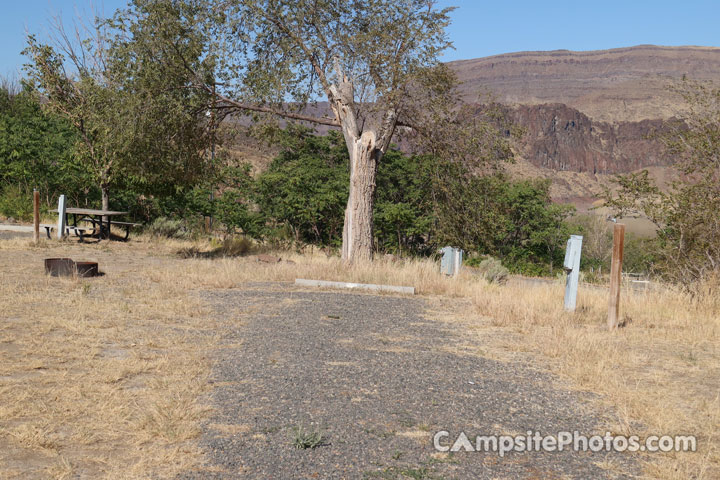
(366,150)
(105,196)
(358,226)
(105,189)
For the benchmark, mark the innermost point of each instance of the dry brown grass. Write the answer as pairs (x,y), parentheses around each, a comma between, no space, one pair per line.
(100,377)
(661,370)
(423,274)
(109,374)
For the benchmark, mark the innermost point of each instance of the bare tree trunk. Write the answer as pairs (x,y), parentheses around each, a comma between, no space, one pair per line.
(358,227)
(105,189)
(105,196)
(366,150)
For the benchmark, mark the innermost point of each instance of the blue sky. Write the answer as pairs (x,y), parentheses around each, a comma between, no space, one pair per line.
(480,28)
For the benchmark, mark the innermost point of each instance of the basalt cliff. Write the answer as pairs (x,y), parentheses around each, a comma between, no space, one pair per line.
(589,114)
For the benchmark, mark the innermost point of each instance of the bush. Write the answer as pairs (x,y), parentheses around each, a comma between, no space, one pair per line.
(493,270)
(494,215)
(164,227)
(305,188)
(640,254)
(234,247)
(16,203)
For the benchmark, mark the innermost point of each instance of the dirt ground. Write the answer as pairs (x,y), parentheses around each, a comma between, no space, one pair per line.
(169,367)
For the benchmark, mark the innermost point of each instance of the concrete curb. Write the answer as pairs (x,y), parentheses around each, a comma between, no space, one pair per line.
(358,286)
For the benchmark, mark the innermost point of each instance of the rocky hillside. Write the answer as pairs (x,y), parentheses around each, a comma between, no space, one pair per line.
(589,114)
(624,84)
(562,138)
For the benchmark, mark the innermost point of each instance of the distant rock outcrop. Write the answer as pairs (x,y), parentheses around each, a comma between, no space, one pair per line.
(562,138)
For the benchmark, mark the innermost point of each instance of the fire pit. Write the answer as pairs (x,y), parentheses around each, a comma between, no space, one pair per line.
(59,267)
(66,267)
(86,269)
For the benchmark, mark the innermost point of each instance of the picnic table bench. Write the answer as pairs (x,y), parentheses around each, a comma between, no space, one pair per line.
(100,227)
(79,231)
(126,225)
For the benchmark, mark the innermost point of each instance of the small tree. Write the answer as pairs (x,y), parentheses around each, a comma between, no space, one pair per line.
(130,126)
(88,101)
(686,214)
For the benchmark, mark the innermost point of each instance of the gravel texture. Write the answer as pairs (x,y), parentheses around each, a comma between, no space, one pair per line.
(377,379)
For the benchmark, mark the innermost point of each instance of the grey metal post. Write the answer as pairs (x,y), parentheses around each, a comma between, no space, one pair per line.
(446,263)
(61,217)
(451,261)
(458,261)
(572,267)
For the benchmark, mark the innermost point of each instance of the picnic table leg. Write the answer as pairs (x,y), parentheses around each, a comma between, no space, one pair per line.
(101,231)
(105,228)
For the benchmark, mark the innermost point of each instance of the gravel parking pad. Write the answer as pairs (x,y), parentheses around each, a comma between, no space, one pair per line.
(376,379)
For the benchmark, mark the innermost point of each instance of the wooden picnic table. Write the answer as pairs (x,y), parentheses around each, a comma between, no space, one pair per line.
(94,216)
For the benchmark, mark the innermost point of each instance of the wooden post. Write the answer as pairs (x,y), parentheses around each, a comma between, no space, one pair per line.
(61,218)
(616,276)
(36,215)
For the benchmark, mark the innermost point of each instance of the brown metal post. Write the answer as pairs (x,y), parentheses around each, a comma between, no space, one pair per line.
(36,215)
(616,275)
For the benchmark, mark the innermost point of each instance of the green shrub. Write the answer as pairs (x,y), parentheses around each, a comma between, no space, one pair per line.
(305,188)
(493,270)
(16,203)
(164,227)
(307,439)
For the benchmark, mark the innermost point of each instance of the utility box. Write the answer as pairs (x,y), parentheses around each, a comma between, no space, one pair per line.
(451,261)
(572,268)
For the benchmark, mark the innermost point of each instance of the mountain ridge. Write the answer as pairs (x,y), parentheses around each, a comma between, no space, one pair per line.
(621,84)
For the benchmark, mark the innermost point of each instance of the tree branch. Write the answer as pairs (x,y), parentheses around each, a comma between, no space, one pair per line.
(309,54)
(295,116)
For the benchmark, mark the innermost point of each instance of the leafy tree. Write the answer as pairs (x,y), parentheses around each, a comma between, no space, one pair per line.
(35,149)
(305,186)
(366,58)
(88,102)
(489,214)
(687,213)
(132,128)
